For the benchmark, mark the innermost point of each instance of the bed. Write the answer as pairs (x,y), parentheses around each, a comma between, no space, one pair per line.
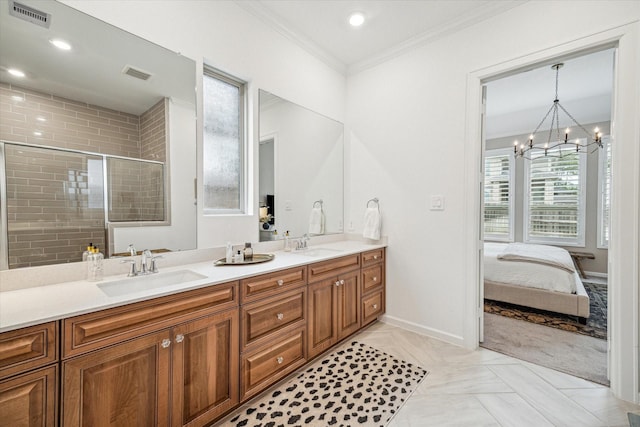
(536,276)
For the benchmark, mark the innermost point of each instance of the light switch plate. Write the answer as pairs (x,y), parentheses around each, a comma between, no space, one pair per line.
(437,203)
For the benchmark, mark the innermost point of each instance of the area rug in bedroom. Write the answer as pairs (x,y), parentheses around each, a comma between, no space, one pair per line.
(576,354)
(596,323)
(355,385)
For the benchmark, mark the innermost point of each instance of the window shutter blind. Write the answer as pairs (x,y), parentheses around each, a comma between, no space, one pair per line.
(554,199)
(497,196)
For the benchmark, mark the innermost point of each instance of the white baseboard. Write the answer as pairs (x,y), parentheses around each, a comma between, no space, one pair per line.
(423,330)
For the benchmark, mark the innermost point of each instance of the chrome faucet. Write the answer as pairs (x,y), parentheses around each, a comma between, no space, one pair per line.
(302,242)
(147,263)
(132,250)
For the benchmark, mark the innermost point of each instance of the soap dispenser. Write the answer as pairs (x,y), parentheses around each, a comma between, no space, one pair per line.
(287,242)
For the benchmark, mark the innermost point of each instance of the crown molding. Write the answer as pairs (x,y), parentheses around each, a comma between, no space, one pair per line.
(284,28)
(468,19)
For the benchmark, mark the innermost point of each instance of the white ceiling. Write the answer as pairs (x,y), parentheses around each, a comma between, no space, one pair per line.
(391,26)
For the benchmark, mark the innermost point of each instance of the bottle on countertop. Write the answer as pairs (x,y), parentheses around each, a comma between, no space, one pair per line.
(86,253)
(95,268)
(239,258)
(248,252)
(287,242)
(229,254)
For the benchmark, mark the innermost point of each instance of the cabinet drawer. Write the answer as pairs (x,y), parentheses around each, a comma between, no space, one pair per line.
(333,267)
(270,284)
(274,314)
(96,330)
(266,365)
(28,348)
(372,307)
(372,278)
(372,257)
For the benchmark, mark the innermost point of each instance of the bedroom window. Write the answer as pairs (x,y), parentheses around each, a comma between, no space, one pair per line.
(554,199)
(498,195)
(223,144)
(604,197)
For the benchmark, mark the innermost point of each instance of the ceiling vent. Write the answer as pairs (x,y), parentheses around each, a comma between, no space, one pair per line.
(134,72)
(29,14)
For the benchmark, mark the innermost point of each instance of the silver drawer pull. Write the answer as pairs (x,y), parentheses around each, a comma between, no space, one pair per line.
(280,359)
(179,338)
(375,278)
(342,282)
(280,282)
(337,283)
(166,343)
(375,257)
(375,306)
(280,316)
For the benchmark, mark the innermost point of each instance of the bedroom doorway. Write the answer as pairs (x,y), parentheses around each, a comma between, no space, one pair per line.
(554,201)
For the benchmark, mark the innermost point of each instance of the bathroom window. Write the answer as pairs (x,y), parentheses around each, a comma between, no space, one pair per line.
(224,144)
(554,199)
(498,195)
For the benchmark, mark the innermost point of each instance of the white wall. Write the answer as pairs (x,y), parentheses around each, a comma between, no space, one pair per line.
(406,140)
(224,35)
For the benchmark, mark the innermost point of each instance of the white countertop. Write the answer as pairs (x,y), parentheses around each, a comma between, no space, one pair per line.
(34,305)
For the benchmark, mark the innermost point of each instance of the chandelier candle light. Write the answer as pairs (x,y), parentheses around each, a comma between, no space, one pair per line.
(580,144)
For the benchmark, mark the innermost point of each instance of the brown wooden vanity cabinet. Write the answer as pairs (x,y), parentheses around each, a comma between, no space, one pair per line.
(29,376)
(273,328)
(334,302)
(373,285)
(167,361)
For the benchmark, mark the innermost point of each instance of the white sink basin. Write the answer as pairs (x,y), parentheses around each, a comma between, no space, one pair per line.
(151,281)
(318,252)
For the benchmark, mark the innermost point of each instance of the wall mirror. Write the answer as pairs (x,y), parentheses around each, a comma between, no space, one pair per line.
(301,179)
(97,138)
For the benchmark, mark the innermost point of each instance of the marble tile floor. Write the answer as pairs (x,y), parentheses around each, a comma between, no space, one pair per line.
(485,388)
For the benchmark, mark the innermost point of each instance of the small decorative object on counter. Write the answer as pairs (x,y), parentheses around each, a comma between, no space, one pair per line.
(95,269)
(229,253)
(248,251)
(239,258)
(86,253)
(287,242)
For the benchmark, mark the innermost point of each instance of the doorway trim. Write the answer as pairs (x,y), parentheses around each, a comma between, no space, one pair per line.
(624,250)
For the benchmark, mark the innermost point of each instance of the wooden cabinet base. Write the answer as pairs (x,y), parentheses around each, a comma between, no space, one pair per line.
(29,399)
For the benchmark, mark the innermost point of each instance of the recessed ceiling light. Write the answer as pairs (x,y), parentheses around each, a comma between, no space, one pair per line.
(17,98)
(37,133)
(41,119)
(15,72)
(356,19)
(60,44)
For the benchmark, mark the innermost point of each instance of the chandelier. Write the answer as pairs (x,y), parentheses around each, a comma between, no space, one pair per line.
(560,146)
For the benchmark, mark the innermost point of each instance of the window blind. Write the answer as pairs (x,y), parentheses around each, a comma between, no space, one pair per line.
(554,201)
(498,169)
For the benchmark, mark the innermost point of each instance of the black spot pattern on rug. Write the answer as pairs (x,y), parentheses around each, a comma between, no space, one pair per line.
(356,386)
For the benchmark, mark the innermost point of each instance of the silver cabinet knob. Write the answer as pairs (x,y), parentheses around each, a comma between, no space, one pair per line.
(280,282)
(337,283)
(179,338)
(342,282)
(375,257)
(280,359)
(375,278)
(375,306)
(280,316)
(165,343)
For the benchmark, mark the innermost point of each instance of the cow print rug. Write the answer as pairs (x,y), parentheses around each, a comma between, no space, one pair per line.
(357,385)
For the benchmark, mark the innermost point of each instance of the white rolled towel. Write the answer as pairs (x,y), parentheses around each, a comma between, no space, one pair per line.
(316,221)
(372,223)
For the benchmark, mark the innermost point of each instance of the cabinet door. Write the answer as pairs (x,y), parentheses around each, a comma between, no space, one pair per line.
(30,399)
(123,385)
(205,360)
(322,316)
(348,304)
